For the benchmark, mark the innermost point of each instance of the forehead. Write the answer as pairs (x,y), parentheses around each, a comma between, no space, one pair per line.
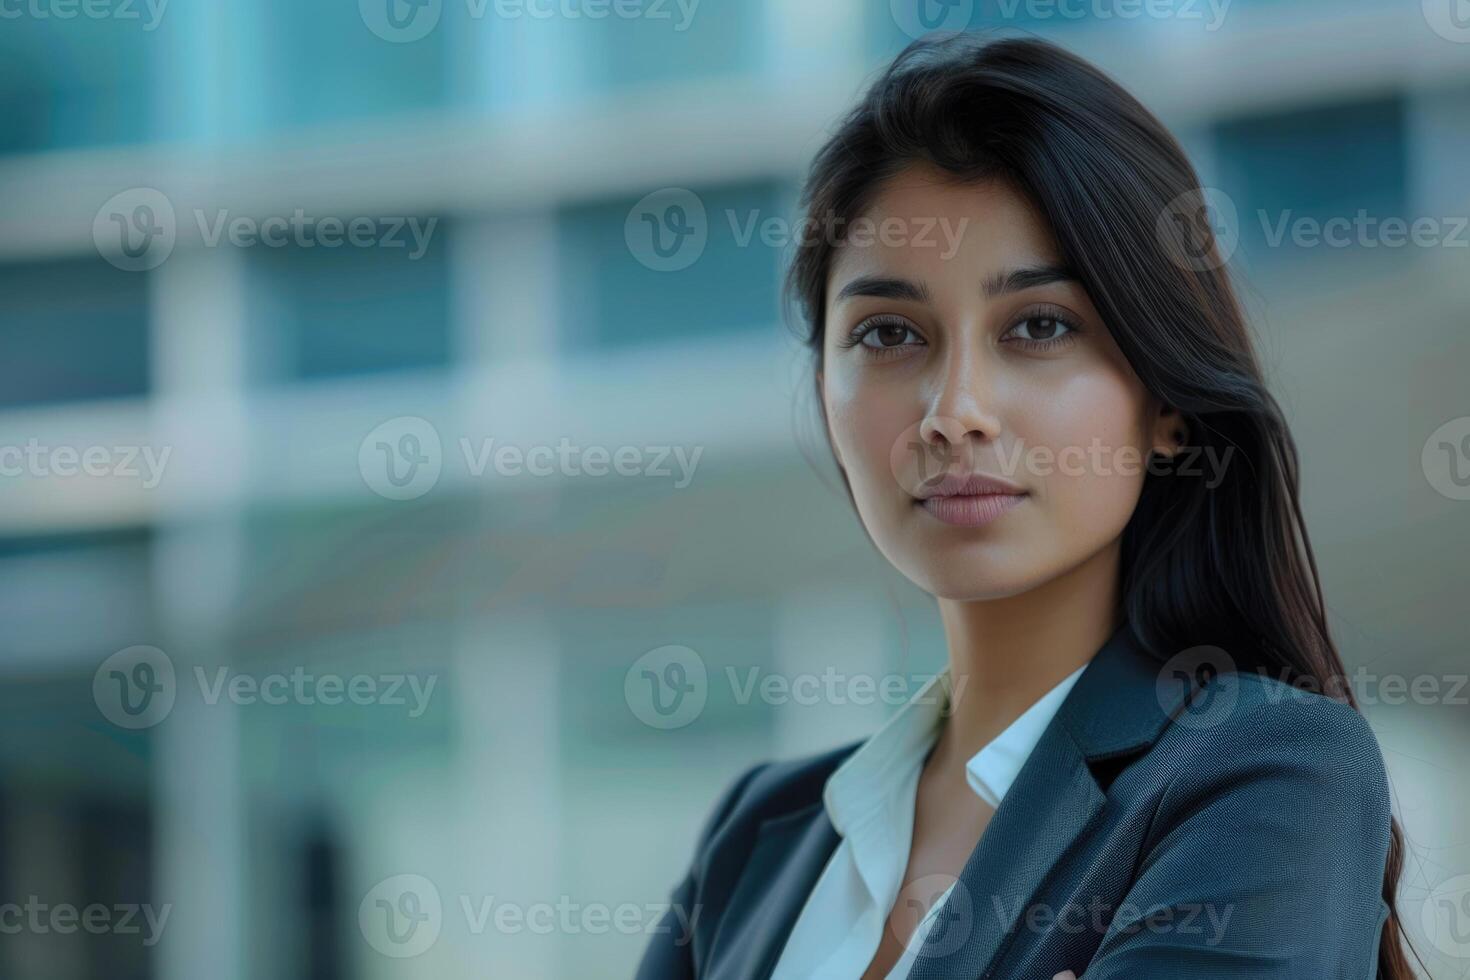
(926,224)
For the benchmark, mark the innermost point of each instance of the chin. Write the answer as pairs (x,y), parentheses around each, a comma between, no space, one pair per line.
(968,578)
(970,591)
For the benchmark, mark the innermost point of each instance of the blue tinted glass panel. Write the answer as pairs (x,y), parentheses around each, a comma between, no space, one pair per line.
(74,82)
(667,43)
(612,297)
(325,311)
(339,61)
(892,26)
(72,330)
(1301,169)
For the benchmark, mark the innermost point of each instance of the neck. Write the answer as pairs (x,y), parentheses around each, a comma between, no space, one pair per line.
(1004,654)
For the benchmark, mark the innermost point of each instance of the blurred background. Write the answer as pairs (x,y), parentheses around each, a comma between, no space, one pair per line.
(390,389)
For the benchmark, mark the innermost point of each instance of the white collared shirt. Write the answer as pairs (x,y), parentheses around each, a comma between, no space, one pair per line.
(870,800)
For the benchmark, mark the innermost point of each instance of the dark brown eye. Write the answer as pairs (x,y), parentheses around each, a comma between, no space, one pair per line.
(1044,327)
(1040,328)
(887,335)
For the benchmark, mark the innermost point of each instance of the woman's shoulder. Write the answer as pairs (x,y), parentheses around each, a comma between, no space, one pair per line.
(1260,712)
(1247,731)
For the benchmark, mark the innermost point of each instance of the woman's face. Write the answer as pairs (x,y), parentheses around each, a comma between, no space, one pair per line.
(956,344)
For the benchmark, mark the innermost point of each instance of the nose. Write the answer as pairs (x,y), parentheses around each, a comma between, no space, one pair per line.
(963,406)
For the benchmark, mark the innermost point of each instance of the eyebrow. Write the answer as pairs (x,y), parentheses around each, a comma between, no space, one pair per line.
(1015,280)
(1007,281)
(885,287)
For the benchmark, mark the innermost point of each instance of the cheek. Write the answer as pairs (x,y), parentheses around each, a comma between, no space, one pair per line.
(867,420)
(1091,472)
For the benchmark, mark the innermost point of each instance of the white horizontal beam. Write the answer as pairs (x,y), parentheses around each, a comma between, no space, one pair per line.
(175,457)
(707,131)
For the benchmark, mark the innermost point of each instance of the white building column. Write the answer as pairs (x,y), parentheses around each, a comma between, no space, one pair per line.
(506,686)
(813,37)
(835,634)
(199,836)
(525,62)
(504,280)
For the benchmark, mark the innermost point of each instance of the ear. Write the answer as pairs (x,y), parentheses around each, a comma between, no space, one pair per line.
(1169,432)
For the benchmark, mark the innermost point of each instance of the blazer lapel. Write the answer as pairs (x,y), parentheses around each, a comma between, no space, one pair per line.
(1116,705)
(1051,803)
(788,856)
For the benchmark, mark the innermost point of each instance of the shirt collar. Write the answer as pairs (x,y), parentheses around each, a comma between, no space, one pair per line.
(864,780)
(991,771)
(858,788)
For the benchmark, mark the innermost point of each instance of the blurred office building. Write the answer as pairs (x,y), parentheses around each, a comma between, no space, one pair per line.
(389,387)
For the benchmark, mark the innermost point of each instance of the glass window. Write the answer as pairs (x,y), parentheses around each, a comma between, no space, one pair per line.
(319,311)
(71,330)
(1290,173)
(324,62)
(76,82)
(671,42)
(672,265)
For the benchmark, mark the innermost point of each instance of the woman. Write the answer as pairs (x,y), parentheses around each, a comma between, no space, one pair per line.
(1142,760)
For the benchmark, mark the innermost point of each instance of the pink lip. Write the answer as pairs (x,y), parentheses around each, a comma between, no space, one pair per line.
(973,510)
(966,485)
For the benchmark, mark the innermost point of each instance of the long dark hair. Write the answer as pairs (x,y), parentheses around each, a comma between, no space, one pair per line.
(1227,565)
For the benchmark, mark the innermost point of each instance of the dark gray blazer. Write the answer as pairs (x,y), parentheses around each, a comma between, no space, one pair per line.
(1235,827)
